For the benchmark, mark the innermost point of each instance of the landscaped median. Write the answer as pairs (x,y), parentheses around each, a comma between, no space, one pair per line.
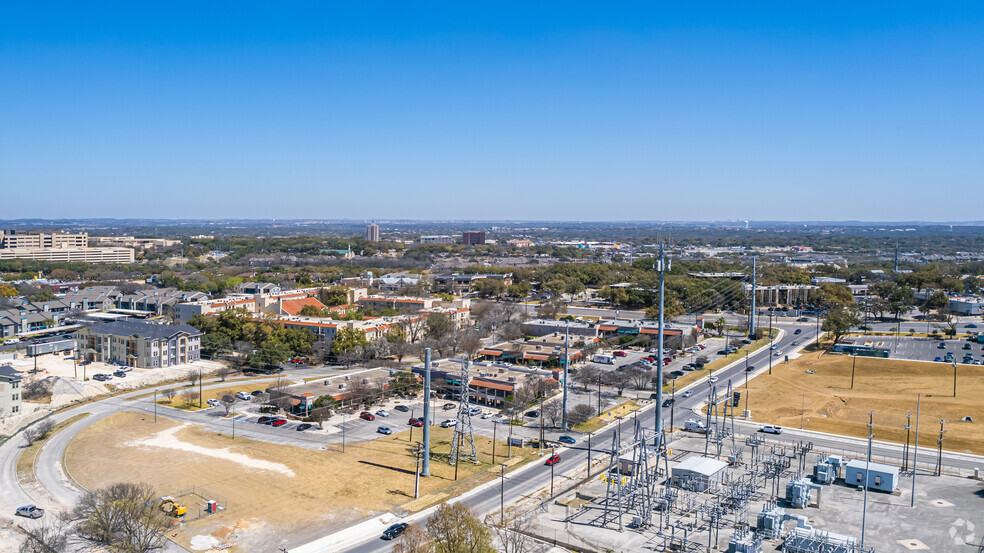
(623,409)
(25,461)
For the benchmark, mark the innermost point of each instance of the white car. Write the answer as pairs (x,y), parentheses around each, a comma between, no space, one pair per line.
(449,423)
(770,429)
(244,396)
(12,341)
(382,413)
(486,415)
(712,379)
(688,393)
(213,402)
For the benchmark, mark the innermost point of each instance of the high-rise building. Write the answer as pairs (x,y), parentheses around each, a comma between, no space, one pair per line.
(473,237)
(372,232)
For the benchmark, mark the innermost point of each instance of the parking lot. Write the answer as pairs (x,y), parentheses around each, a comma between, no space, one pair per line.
(928,349)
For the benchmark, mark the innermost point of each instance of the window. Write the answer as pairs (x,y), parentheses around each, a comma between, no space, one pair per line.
(859,477)
(878,480)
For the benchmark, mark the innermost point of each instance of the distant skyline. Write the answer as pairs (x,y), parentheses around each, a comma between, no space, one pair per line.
(633,111)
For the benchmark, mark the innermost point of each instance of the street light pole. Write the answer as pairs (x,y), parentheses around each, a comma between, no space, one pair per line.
(502,494)
(495,427)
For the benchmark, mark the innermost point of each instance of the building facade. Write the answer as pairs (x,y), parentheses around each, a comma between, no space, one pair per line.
(10,391)
(139,344)
(473,237)
(372,232)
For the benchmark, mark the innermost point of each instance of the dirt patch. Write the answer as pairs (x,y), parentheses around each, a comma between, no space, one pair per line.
(825,401)
(328,491)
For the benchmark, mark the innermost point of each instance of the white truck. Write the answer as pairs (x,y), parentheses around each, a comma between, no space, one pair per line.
(604,359)
(694,425)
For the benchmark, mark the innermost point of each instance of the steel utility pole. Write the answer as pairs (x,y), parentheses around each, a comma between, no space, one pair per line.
(915,454)
(867,476)
(905,451)
(425,472)
(751,319)
(662,267)
(567,362)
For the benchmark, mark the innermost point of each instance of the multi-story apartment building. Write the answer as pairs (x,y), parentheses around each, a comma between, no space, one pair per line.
(372,233)
(139,344)
(10,391)
(473,237)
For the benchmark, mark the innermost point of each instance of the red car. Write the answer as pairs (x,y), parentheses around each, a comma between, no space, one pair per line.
(416,422)
(552,460)
(649,359)
(367,416)
(619,353)
(278,422)
(263,420)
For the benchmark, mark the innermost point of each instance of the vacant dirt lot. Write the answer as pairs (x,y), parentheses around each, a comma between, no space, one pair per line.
(270,490)
(886,386)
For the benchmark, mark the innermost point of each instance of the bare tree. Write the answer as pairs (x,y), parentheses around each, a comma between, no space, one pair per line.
(642,379)
(191,396)
(320,415)
(36,389)
(552,411)
(168,394)
(588,375)
(413,540)
(454,529)
(470,342)
(30,435)
(50,537)
(619,380)
(192,378)
(580,413)
(224,373)
(122,517)
(228,401)
(514,536)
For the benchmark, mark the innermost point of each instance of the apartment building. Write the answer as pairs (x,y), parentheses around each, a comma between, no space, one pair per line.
(473,238)
(437,239)
(10,391)
(372,233)
(30,239)
(58,246)
(139,344)
(463,284)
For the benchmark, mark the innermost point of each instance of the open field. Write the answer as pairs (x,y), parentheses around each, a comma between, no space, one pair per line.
(25,461)
(886,386)
(268,490)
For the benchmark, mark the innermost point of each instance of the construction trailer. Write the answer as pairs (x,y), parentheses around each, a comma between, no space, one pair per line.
(881,477)
(55,346)
(699,474)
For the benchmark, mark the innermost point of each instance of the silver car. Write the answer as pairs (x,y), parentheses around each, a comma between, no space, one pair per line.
(30,511)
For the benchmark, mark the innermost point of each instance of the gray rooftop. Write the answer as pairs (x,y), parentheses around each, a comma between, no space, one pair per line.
(142,329)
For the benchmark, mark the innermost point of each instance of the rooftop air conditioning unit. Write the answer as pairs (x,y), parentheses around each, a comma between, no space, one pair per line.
(511,379)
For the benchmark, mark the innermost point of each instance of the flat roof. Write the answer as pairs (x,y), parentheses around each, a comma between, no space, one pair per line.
(702,465)
(879,467)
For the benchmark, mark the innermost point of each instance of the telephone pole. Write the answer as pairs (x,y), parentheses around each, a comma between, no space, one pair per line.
(751,319)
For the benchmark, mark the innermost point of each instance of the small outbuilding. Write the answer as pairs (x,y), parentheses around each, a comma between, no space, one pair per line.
(699,474)
(876,476)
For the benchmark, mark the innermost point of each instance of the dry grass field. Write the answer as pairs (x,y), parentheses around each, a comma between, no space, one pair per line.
(886,386)
(271,489)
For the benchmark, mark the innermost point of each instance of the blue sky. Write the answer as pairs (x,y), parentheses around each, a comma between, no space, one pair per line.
(527,110)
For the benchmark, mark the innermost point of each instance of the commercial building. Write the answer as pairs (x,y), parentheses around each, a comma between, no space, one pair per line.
(473,237)
(462,284)
(137,243)
(437,239)
(10,391)
(253,288)
(372,232)
(58,246)
(139,344)
(967,305)
(155,300)
(782,294)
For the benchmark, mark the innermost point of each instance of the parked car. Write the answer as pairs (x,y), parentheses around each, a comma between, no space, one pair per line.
(966,346)
(394,531)
(770,429)
(475,410)
(366,415)
(449,423)
(278,422)
(618,353)
(212,402)
(256,393)
(120,373)
(402,408)
(384,430)
(533,414)
(264,420)
(303,426)
(487,415)
(942,345)
(567,440)
(382,413)
(552,460)
(416,422)
(30,511)
(938,359)
(243,396)
(102,377)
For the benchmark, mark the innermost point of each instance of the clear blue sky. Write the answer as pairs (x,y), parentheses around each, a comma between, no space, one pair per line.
(565,111)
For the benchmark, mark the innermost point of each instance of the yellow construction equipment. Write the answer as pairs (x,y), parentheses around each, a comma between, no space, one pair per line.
(172,508)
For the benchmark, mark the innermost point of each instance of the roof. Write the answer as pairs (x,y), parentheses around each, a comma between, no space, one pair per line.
(607,328)
(876,467)
(490,352)
(536,356)
(294,307)
(142,329)
(702,465)
(9,372)
(492,385)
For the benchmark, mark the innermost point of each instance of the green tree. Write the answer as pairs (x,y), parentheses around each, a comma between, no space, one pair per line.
(333,295)
(7,290)
(831,295)
(490,287)
(839,321)
(310,311)
(453,529)
(439,325)
(348,339)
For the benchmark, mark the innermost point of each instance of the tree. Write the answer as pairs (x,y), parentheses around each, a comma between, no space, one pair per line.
(8,290)
(334,295)
(228,401)
(552,412)
(830,295)
(122,517)
(515,535)
(439,326)
(192,378)
(50,537)
(839,322)
(453,529)
(552,309)
(588,376)
(224,373)
(721,325)
(619,380)
(413,540)
(347,340)
(320,415)
(168,394)
(490,287)
(310,311)
(580,414)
